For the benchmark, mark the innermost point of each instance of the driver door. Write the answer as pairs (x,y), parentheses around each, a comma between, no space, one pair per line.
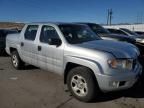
(50,57)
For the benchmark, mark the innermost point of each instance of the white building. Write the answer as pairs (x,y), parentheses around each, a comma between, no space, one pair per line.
(133,27)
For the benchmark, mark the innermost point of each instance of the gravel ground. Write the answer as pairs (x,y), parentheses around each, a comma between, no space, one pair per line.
(35,88)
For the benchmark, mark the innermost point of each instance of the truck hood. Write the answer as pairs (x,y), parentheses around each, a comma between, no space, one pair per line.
(117,49)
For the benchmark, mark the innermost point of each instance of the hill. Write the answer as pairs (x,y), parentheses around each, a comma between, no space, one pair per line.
(11,25)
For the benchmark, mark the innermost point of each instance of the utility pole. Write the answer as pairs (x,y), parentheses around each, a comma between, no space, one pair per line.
(109,16)
(111,13)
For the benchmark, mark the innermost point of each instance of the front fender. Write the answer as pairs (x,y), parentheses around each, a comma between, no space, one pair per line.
(93,65)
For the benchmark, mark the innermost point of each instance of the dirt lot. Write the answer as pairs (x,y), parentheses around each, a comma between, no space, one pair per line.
(35,88)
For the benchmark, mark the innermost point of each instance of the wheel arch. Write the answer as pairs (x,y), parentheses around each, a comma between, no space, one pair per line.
(95,67)
(12,49)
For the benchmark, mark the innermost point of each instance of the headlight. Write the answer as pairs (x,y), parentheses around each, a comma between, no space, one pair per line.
(121,63)
(140,40)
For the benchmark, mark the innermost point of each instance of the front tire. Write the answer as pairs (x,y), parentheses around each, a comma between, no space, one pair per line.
(82,84)
(16,61)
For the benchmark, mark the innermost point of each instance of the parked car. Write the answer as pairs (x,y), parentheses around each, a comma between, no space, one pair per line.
(139,39)
(123,31)
(3,33)
(86,62)
(140,33)
(105,34)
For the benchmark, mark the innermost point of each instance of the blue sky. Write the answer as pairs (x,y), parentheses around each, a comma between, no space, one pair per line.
(71,10)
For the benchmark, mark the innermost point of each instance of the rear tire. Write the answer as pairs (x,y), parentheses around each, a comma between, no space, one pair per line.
(16,60)
(82,84)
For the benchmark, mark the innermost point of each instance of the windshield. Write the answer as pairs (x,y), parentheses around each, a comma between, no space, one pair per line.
(98,29)
(130,32)
(75,34)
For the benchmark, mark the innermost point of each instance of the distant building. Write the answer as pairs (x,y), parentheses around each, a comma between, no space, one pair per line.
(132,27)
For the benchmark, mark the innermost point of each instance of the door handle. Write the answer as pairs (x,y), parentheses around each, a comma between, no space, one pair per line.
(39,48)
(22,44)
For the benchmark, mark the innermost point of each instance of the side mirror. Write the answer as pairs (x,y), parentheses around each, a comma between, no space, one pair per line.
(54,41)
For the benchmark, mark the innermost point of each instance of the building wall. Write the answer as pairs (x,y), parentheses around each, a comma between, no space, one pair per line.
(133,27)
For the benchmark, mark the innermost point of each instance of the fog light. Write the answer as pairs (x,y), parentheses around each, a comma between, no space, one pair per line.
(115,84)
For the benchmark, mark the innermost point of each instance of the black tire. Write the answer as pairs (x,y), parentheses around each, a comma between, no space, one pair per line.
(88,90)
(16,60)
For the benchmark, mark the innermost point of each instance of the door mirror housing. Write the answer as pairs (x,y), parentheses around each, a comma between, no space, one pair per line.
(54,41)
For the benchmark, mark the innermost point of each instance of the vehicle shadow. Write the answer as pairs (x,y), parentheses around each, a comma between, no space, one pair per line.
(29,67)
(3,53)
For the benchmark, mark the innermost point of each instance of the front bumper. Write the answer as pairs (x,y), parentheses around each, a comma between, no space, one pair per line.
(118,82)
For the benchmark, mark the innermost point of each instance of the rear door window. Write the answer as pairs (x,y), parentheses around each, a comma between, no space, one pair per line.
(30,33)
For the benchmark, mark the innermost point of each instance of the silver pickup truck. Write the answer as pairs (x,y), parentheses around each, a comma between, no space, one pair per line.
(87,63)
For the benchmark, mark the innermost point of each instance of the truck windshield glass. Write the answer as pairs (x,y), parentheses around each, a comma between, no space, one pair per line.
(75,34)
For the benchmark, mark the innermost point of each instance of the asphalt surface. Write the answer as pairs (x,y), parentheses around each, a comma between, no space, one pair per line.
(36,88)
